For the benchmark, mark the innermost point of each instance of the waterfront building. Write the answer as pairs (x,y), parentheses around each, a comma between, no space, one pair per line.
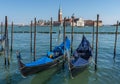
(90,23)
(99,23)
(80,22)
(41,22)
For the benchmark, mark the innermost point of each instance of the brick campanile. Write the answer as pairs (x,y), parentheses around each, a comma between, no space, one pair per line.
(60,15)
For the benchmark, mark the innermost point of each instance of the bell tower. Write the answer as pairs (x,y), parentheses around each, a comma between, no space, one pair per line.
(60,15)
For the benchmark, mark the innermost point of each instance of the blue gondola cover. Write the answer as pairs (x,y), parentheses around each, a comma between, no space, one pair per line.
(42,60)
(59,49)
(79,62)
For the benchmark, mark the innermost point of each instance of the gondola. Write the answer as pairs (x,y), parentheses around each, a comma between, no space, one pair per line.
(52,59)
(81,57)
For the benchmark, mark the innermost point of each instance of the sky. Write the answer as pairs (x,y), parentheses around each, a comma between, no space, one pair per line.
(23,11)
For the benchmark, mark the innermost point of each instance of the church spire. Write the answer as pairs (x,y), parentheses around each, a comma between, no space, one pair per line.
(60,14)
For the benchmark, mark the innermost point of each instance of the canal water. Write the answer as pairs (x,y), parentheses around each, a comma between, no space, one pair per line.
(108,69)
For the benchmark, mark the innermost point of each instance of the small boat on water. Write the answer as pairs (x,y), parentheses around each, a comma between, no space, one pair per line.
(81,57)
(52,59)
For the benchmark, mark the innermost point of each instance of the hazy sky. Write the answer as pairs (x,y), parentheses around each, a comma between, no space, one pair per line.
(23,11)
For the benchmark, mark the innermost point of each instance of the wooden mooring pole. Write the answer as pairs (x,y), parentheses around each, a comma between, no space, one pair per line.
(93,36)
(12,37)
(116,33)
(2,32)
(72,35)
(31,25)
(51,35)
(6,42)
(34,39)
(59,33)
(96,51)
(1,28)
(64,26)
(8,53)
(6,25)
(5,59)
(64,33)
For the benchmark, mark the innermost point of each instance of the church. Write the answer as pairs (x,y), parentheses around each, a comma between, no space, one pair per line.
(59,22)
(77,21)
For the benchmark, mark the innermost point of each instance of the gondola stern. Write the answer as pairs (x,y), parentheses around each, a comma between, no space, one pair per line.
(20,64)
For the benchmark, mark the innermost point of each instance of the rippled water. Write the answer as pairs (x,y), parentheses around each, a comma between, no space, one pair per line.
(108,69)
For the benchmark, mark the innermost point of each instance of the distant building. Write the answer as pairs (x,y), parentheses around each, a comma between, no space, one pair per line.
(99,23)
(77,22)
(80,22)
(90,23)
(41,22)
(68,21)
(56,23)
